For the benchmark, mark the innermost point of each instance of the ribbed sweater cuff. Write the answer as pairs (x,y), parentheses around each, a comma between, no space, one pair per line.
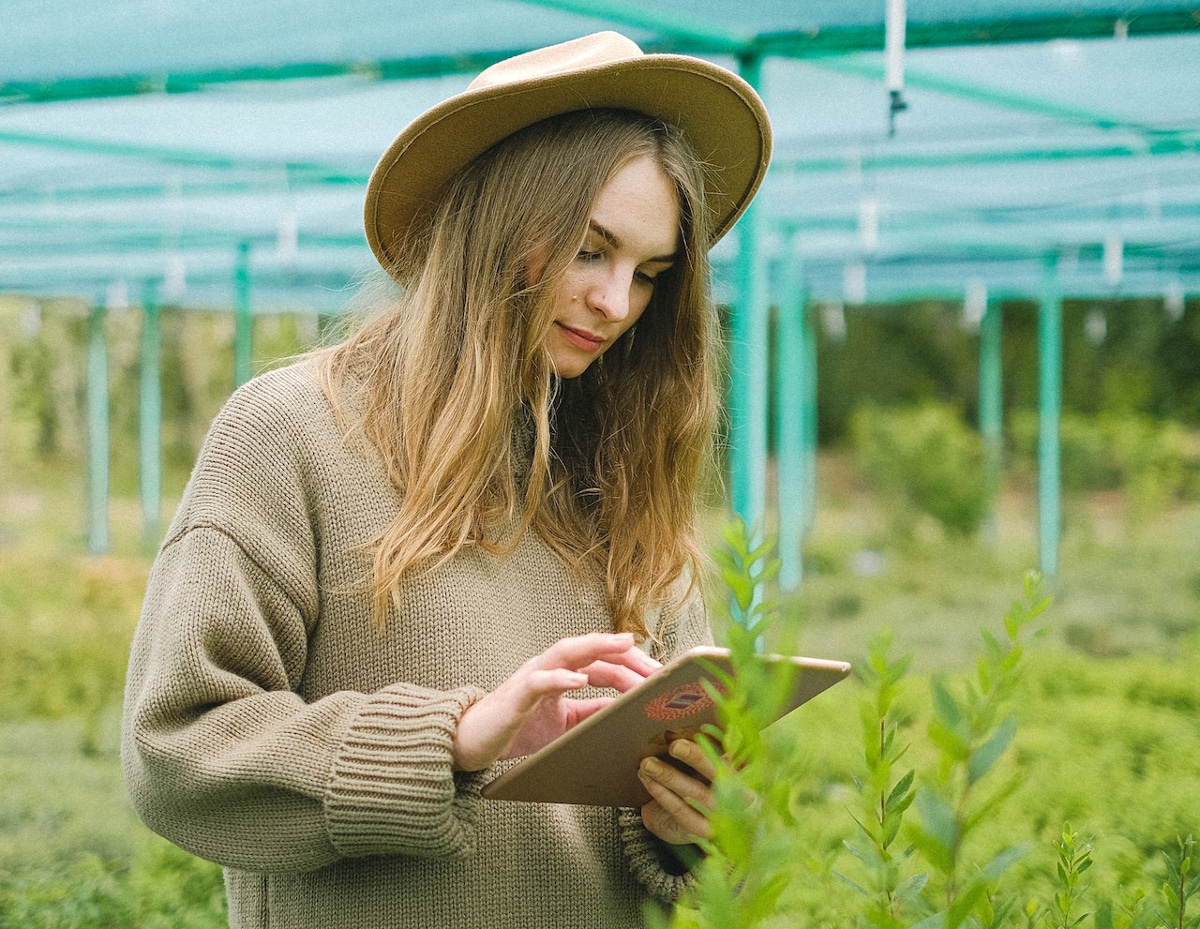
(393,788)
(644,853)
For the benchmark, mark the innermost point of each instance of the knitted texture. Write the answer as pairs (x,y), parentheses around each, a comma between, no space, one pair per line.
(271,726)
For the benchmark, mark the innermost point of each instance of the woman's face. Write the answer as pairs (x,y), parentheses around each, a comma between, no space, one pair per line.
(632,238)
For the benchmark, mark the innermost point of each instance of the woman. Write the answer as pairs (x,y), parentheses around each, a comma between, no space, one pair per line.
(433,548)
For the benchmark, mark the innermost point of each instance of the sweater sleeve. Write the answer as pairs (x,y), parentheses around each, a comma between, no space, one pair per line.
(650,859)
(221,754)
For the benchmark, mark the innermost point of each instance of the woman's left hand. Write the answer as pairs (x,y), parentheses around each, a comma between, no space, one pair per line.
(680,799)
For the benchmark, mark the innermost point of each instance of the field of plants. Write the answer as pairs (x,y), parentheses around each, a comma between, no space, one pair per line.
(1106,712)
(1054,758)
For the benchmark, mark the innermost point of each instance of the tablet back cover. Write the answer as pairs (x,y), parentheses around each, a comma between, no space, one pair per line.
(596,762)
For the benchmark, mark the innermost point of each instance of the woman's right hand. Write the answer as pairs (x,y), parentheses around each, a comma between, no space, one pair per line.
(531,709)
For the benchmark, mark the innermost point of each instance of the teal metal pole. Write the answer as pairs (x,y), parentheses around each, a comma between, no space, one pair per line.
(790,398)
(991,408)
(99,443)
(1049,414)
(748,356)
(809,334)
(243,338)
(150,417)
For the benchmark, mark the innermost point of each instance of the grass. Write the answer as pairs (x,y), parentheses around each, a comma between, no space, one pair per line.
(1107,736)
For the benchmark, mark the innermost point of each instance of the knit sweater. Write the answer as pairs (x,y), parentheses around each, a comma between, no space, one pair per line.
(271,726)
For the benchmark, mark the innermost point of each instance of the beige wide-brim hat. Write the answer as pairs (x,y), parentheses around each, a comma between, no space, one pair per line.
(719,113)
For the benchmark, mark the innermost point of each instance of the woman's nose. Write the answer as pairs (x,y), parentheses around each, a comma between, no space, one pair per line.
(609,294)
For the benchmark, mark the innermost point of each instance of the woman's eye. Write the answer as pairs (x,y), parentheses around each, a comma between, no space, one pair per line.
(585,254)
(645,277)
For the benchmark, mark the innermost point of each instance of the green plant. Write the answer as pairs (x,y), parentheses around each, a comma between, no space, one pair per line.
(1073,860)
(945,877)
(1181,885)
(887,892)
(971,731)
(1148,459)
(162,888)
(924,459)
(747,859)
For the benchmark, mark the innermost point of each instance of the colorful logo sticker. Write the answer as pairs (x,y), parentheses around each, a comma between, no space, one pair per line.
(680,702)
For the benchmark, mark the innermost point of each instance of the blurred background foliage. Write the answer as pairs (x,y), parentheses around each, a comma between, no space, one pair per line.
(1119,357)
(1131,387)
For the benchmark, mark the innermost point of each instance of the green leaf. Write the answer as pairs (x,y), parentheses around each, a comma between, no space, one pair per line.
(944,704)
(845,880)
(985,807)
(735,534)
(936,921)
(911,887)
(898,794)
(952,744)
(937,818)
(984,673)
(891,828)
(937,854)
(984,757)
(993,870)
(968,898)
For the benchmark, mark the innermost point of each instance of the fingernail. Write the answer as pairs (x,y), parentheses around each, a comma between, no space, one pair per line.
(680,749)
(652,766)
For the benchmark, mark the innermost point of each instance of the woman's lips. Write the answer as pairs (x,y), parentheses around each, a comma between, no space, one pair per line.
(581,338)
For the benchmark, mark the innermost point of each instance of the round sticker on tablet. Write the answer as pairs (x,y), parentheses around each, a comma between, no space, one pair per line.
(680,702)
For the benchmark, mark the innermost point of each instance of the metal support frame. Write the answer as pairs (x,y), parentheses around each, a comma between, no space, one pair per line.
(810,419)
(748,356)
(795,410)
(991,409)
(1049,414)
(98,437)
(150,417)
(243,333)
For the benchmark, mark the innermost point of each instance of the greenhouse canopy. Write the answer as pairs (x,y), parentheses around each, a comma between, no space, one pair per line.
(214,155)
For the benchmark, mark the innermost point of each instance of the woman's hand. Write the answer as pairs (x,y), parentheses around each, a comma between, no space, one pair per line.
(530,709)
(680,799)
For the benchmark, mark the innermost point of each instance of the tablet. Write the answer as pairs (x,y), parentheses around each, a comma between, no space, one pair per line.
(596,762)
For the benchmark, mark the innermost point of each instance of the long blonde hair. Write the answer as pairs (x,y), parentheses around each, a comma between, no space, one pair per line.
(458,394)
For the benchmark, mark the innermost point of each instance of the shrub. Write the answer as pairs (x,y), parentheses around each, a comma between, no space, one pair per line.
(1148,459)
(932,843)
(925,460)
(162,888)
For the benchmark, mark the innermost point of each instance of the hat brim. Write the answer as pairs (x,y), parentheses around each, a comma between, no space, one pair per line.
(720,114)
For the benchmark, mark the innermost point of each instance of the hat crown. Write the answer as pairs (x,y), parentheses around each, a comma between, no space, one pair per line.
(601,48)
(719,113)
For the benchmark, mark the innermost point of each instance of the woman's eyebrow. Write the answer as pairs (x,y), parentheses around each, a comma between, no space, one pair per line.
(614,242)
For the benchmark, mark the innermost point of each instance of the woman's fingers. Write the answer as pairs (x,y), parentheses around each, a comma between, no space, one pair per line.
(677,812)
(599,659)
(692,755)
(528,709)
(668,827)
(665,818)
(617,676)
(579,710)
(541,683)
(614,648)
(691,792)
